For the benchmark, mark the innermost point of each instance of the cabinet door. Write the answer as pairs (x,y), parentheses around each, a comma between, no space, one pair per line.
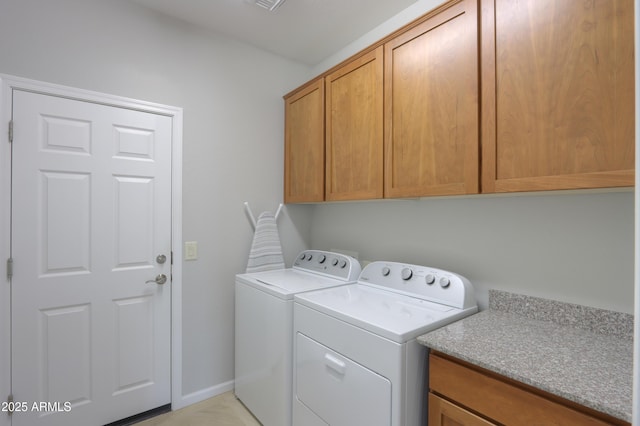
(431,106)
(354,129)
(304,145)
(558,94)
(505,401)
(444,413)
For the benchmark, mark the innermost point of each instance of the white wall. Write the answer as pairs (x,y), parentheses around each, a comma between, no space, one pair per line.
(233,137)
(571,247)
(419,8)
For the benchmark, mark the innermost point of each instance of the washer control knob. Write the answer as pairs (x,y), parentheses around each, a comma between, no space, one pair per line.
(430,279)
(322,258)
(406,274)
(386,271)
(444,282)
(334,262)
(303,256)
(343,263)
(309,257)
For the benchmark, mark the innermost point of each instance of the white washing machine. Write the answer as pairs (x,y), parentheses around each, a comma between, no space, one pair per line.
(264,329)
(356,358)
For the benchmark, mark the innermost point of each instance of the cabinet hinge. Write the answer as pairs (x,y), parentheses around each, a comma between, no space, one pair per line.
(9,268)
(10,405)
(11,131)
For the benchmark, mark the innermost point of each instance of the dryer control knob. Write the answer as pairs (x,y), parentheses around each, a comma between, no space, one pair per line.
(303,256)
(309,257)
(322,258)
(386,271)
(343,263)
(406,274)
(444,282)
(430,279)
(334,262)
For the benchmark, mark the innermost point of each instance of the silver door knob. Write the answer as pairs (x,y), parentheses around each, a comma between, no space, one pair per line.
(160,279)
(161,258)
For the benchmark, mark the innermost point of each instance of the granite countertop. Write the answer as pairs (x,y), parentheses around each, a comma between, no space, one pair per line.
(582,354)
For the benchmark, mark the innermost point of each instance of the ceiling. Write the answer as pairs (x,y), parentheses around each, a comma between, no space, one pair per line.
(305,31)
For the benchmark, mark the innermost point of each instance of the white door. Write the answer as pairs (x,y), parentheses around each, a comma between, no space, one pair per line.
(91,213)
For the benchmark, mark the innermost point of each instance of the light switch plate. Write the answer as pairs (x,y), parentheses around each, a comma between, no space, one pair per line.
(190,250)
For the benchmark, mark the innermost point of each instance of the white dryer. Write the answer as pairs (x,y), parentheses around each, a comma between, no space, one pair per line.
(264,329)
(357,360)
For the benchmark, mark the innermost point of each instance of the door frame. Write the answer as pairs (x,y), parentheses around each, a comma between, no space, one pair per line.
(7,84)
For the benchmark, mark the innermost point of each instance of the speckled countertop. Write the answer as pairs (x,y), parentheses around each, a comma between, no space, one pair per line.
(582,354)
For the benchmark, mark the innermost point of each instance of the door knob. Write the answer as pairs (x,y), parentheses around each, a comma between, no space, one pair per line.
(160,279)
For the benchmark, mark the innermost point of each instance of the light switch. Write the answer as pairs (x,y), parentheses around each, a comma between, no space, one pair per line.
(190,250)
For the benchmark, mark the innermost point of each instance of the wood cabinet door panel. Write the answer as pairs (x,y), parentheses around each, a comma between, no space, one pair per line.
(431,106)
(563,83)
(503,402)
(304,145)
(354,129)
(444,413)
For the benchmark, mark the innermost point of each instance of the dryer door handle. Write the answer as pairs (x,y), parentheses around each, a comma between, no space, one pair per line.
(335,364)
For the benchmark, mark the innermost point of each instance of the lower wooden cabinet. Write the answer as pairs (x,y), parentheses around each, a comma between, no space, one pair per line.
(444,413)
(464,395)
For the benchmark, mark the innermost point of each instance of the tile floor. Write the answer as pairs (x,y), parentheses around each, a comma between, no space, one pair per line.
(222,410)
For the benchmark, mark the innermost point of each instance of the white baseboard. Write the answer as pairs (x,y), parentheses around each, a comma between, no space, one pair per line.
(203,394)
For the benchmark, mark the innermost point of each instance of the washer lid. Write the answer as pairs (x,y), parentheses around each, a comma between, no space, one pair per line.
(395,316)
(284,283)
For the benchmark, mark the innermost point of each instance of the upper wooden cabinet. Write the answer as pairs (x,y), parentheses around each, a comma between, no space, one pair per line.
(304,144)
(431,105)
(354,129)
(543,89)
(557,94)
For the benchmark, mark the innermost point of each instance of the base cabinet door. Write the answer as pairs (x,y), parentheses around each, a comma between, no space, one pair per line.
(444,413)
(504,401)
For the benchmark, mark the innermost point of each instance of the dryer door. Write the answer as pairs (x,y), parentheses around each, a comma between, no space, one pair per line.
(340,391)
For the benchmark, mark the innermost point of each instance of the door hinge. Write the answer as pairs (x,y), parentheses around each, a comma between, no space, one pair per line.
(9,268)
(10,405)
(11,131)
(172,257)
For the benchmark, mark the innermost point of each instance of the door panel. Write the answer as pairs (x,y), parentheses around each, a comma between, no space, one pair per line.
(91,210)
(64,225)
(134,343)
(134,215)
(66,343)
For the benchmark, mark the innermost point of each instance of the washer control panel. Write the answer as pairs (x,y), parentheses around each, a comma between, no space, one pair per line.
(422,282)
(335,265)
